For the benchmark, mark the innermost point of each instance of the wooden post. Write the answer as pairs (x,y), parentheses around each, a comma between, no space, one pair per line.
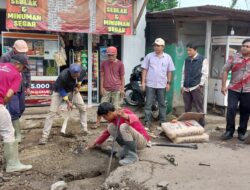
(140,14)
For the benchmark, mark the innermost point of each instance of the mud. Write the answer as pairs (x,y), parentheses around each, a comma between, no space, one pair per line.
(63,158)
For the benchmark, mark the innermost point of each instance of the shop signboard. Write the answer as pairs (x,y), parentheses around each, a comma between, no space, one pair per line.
(41,88)
(40,92)
(83,16)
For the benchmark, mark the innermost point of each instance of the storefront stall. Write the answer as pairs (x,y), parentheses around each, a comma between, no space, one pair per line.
(87,27)
(44,70)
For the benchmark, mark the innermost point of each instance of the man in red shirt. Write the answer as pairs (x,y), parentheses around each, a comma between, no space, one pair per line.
(10,81)
(131,134)
(16,106)
(238,91)
(112,80)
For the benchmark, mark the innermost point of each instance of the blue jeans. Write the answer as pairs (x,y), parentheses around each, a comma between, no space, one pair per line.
(160,95)
(16,105)
(233,99)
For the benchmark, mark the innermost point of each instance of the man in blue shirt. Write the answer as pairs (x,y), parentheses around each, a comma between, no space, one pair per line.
(67,83)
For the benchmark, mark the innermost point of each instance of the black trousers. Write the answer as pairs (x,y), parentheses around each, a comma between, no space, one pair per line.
(194,97)
(243,99)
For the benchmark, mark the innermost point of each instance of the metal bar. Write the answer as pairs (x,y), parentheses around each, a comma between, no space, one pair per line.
(90,62)
(113,145)
(207,53)
(193,146)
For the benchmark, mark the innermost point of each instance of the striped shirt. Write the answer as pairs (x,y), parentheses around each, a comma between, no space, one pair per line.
(240,67)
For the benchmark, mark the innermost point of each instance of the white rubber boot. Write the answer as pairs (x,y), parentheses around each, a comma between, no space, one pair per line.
(16,125)
(12,160)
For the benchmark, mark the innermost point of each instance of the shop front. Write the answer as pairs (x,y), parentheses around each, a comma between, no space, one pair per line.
(82,28)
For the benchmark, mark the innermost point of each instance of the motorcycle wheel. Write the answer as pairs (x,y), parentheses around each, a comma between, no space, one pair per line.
(127,98)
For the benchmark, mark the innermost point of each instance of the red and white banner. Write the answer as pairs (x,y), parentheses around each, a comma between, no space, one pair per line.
(41,88)
(85,16)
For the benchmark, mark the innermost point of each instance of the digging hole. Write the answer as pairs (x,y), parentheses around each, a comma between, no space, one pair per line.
(71,177)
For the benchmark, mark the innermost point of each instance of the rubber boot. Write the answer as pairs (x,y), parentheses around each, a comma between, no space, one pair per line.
(12,160)
(131,157)
(16,125)
(121,154)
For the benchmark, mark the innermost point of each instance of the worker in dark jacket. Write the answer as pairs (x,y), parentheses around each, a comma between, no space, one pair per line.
(67,84)
(16,106)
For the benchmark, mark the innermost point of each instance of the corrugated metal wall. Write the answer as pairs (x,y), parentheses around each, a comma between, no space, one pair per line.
(164,29)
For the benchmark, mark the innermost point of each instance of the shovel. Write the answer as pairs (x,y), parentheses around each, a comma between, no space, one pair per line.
(65,122)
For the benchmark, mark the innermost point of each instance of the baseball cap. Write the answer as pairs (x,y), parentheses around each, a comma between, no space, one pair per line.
(75,68)
(111,50)
(21,58)
(159,41)
(21,46)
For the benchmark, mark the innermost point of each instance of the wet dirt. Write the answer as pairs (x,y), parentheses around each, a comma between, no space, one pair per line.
(63,158)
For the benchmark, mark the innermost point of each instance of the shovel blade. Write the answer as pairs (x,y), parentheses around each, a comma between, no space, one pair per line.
(64,126)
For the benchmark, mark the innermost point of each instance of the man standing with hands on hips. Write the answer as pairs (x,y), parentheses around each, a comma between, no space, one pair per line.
(156,79)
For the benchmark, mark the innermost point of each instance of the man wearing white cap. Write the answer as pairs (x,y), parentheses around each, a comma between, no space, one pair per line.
(16,106)
(156,79)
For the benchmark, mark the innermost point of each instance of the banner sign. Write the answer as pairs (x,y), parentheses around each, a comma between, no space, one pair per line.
(41,88)
(84,16)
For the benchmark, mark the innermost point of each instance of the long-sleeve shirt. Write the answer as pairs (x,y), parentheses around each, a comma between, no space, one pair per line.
(65,83)
(10,79)
(204,76)
(26,82)
(133,121)
(240,67)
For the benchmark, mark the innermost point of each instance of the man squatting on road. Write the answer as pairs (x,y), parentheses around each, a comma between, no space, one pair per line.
(131,136)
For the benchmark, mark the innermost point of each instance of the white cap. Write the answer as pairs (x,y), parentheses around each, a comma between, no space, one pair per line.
(21,46)
(159,41)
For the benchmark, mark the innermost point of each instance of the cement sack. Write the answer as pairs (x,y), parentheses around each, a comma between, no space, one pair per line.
(192,139)
(182,128)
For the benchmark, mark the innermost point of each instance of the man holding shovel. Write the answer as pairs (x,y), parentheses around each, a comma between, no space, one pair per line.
(131,134)
(68,82)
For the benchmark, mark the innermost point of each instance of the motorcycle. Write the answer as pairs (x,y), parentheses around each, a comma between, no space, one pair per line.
(134,96)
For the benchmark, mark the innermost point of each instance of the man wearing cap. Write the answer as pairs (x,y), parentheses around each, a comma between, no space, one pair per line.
(156,79)
(112,80)
(194,76)
(16,106)
(10,81)
(67,84)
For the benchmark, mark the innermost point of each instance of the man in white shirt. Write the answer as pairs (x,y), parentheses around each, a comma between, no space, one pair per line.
(194,75)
